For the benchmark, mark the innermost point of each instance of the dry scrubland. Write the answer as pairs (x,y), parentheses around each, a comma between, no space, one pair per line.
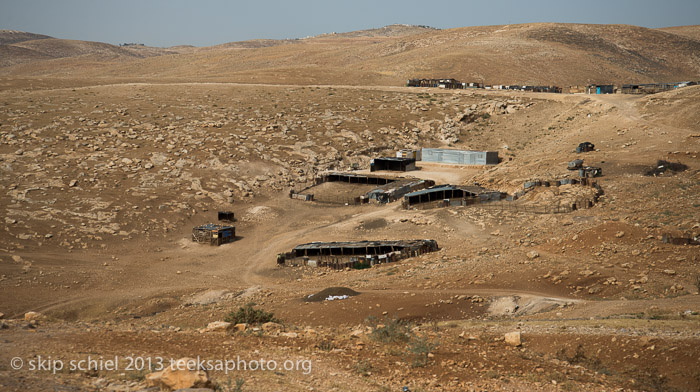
(104,178)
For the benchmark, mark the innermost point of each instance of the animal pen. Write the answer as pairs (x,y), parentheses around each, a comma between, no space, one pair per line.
(213,234)
(387,189)
(450,195)
(358,255)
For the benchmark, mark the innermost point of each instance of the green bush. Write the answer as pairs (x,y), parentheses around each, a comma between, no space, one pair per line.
(391,331)
(363,368)
(250,315)
(418,349)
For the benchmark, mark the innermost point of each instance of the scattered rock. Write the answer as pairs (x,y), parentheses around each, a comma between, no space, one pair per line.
(218,326)
(180,374)
(513,339)
(33,316)
(532,255)
(208,297)
(272,327)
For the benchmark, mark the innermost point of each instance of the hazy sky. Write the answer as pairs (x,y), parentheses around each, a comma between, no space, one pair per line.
(211,22)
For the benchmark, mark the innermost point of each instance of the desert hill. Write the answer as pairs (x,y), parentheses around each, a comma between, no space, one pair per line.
(47,48)
(542,53)
(394,30)
(692,32)
(8,37)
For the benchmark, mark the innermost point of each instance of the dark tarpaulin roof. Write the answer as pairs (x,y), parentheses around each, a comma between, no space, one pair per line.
(471,189)
(360,244)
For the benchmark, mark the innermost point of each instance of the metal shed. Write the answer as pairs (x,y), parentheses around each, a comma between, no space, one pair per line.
(459,157)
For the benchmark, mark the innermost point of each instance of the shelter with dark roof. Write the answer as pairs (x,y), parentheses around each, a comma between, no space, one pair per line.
(393,164)
(357,254)
(395,190)
(451,195)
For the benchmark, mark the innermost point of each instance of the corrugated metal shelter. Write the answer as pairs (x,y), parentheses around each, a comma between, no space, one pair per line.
(652,88)
(408,153)
(393,164)
(214,234)
(600,89)
(459,157)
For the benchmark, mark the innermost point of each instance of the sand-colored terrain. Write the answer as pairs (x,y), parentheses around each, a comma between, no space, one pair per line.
(104,178)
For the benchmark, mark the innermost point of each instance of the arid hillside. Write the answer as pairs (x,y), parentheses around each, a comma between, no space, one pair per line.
(692,32)
(545,279)
(21,48)
(542,53)
(8,37)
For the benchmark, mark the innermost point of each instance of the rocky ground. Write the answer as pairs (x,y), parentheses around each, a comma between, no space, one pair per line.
(104,182)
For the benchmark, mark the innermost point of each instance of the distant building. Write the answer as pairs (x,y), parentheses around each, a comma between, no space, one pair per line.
(600,89)
(653,88)
(409,153)
(575,89)
(440,83)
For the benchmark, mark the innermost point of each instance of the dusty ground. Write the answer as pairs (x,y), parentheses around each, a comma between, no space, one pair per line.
(104,182)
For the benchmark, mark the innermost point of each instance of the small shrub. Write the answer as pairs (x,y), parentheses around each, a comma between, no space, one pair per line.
(391,331)
(418,350)
(229,387)
(363,368)
(326,345)
(250,315)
